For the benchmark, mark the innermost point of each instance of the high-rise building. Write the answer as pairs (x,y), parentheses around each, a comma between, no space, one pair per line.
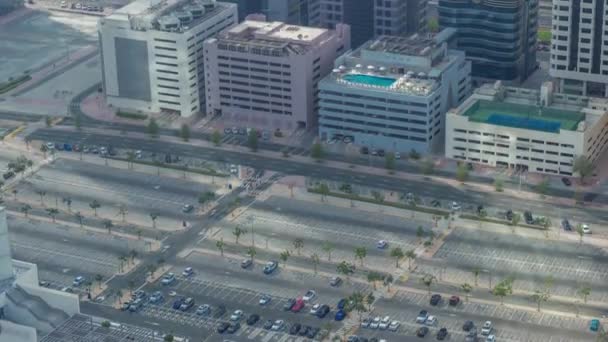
(152,53)
(247,7)
(295,12)
(499,36)
(266,73)
(369,18)
(579,46)
(392,93)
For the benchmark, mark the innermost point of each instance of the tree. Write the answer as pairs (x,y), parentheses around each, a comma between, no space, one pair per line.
(373,277)
(499,185)
(206,197)
(48,121)
(547,224)
(52,212)
(316,151)
(360,253)
(542,187)
(285,256)
(398,254)
(41,193)
(414,155)
(79,217)
(184,132)
(356,302)
(122,211)
(433,25)
(298,244)
(252,140)
(543,293)
(419,232)
(106,324)
(584,167)
(139,232)
(323,189)
(98,279)
(584,291)
(428,280)
(467,289)
(369,300)
(388,280)
(44,150)
(581,233)
(130,159)
(154,217)
(25,209)
(427,167)
(168,338)
(68,203)
(237,232)
(152,269)
(378,197)
(220,244)
(107,224)
(152,128)
(476,271)
(462,173)
(515,221)
(328,247)
(216,138)
(95,205)
(389,161)
(503,289)
(410,255)
(251,252)
(346,269)
(315,260)
(133,255)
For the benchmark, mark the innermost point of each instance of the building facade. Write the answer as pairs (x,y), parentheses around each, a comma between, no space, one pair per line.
(294,12)
(392,93)
(247,7)
(579,46)
(538,131)
(267,73)
(370,18)
(152,53)
(499,37)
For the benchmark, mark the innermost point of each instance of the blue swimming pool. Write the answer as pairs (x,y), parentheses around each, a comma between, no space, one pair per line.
(369,79)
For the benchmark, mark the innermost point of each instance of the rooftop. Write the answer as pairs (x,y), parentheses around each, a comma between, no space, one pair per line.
(415,45)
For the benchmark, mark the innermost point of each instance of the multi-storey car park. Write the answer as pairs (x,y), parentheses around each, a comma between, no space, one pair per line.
(152,53)
(392,93)
(540,131)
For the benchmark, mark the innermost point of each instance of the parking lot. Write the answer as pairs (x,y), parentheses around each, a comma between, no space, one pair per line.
(529,261)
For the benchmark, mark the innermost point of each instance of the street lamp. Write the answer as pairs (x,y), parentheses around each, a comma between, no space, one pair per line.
(490,277)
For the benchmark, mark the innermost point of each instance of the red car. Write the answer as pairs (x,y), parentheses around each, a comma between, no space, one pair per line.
(454,300)
(299,305)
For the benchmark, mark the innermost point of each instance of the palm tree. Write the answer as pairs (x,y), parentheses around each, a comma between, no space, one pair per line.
(466,288)
(328,247)
(357,303)
(476,271)
(68,203)
(152,269)
(515,221)
(95,205)
(584,291)
(581,233)
(315,260)
(131,285)
(388,280)
(398,254)
(237,232)
(369,300)
(360,253)
(139,232)
(428,280)
(373,277)
(122,211)
(298,244)
(52,212)
(98,279)
(220,244)
(153,216)
(79,217)
(108,225)
(133,255)
(411,256)
(41,193)
(285,256)
(251,252)
(25,209)
(119,295)
(345,269)
(130,159)
(15,191)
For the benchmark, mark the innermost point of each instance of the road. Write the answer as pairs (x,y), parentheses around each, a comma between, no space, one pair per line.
(320,171)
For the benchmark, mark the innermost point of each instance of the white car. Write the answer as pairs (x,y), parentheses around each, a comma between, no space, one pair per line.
(50,145)
(491,338)
(431,320)
(455,206)
(384,322)
(188,271)
(375,323)
(309,295)
(265,300)
(64,4)
(315,308)
(236,315)
(397,155)
(586,229)
(394,326)
(172,293)
(278,325)
(486,329)
(422,316)
(382,244)
(366,322)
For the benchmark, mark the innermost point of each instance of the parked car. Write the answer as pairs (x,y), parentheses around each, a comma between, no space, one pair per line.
(335,281)
(156,297)
(188,271)
(422,316)
(509,215)
(187,304)
(468,325)
(566,181)
(236,315)
(271,266)
(566,225)
(456,206)
(315,308)
(245,263)
(394,326)
(168,279)
(289,304)
(435,299)
(586,228)
(136,305)
(234,327)
(386,320)
(435,203)
(304,330)
(341,304)
(187,208)
(491,338)
(594,325)
(442,334)
(253,319)
(278,325)
(366,322)
(78,281)
(295,328)
(309,295)
(364,150)
(487,328)
(268,324)
(340,315)
(431,320)
(323,311)
(312,332)
(222,327)
(382,244)
(125,306)
(220,311)
(8,175)
(178,303)
(422,331)
(454,300)
(528,217)
(265,299)
(375,323)
(298,305)
(203,310)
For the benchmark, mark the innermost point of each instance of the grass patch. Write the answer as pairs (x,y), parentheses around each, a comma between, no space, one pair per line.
(6,86)
(133,116)
(206,172)
(353,197)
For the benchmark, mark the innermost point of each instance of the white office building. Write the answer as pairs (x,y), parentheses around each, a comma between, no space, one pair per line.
(152,53)
(392,93)
(539,131)
(579,47)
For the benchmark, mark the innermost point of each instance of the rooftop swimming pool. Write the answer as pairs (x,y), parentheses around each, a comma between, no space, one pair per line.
(378,81)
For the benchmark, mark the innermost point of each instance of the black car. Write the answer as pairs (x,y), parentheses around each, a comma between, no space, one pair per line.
(442,334)
(435,299)
(233,327)
(566,225)
(468,325)
(220,311)
(479,209)
(253,319)
(295,328)
(8,174)
(222,327)
(304,331)
(268,324)
(323,311)
(381,153)
(509,215)
(364,150)
(289,304)
(566,181)
(312,332)
(435,203)
(422,331)
(528,217)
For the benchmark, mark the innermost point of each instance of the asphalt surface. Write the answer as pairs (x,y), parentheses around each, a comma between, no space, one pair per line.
(320,171)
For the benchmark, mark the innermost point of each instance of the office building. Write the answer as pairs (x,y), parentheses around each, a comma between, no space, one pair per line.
(152,53)
(392,93)
(370,18)
(10,5)
(247,7)
(579,47)
(294,12)
(539,131)
(499,37)
(266,73)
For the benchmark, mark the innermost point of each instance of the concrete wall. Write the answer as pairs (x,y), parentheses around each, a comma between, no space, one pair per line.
(66,302)
(11,332)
